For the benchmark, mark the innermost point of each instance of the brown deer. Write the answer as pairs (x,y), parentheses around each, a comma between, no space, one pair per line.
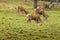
(22,9)
(34,17)
(40,11)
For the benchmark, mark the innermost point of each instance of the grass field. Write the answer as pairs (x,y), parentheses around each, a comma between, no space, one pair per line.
(15,27)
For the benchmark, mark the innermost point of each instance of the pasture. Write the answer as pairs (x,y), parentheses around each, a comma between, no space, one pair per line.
(15,27)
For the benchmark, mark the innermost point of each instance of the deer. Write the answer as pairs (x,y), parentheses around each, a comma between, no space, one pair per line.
(40,11)
(21,9)
(34,17)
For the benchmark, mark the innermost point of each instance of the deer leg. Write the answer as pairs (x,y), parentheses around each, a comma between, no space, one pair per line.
(18,10)
(29,20)
(44,15)
(37,20)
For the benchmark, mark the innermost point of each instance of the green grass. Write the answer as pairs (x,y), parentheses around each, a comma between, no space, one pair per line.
(15,27)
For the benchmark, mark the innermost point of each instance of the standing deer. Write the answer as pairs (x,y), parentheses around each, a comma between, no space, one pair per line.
(40,11)
(34,17)
(22,9)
